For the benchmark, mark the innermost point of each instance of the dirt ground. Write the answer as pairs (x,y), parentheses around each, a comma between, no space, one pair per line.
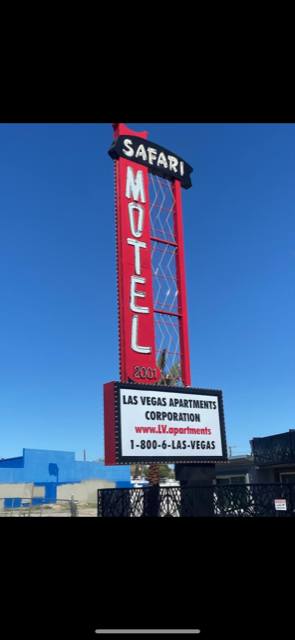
(54,511)
(82,513)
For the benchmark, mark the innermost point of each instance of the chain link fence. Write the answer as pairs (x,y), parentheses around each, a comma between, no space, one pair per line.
(44,507)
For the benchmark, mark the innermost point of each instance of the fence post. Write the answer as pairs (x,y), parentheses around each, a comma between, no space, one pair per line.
(292,499)
(153,497)
(74,510)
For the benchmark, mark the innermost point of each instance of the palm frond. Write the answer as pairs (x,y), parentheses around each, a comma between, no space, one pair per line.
(162,360)
(172,377)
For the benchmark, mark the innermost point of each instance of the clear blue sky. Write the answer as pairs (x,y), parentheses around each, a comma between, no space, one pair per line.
(58,277)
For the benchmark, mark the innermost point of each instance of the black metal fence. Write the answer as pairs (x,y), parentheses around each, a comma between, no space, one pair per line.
(218,501)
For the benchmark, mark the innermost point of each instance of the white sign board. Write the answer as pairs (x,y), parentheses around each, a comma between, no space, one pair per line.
(280,505)
(169,424)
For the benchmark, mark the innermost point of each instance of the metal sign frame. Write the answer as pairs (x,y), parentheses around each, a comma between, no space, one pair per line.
(112,420)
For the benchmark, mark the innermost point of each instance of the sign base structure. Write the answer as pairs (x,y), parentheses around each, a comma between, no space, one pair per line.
(195,475)
(161,424)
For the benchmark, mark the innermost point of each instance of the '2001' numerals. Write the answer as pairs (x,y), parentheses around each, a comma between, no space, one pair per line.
(145,372)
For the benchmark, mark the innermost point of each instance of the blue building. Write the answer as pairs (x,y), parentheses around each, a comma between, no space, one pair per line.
(60,475)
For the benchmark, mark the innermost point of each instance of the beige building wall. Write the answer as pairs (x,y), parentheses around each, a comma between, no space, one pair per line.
(21,490)
(83,491)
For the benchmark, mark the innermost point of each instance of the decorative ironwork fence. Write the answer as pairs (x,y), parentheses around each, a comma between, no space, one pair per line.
(219,501)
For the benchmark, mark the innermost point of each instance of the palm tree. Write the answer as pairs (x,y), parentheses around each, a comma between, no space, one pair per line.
(168,379)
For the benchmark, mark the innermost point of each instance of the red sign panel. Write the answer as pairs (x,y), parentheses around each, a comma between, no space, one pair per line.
(153,328)
(135,285)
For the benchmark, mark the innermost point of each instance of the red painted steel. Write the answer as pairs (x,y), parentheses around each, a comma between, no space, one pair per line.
(182,301)
(109,423)
(145,337)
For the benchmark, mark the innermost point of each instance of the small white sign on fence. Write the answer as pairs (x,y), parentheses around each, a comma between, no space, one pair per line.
(280,505)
